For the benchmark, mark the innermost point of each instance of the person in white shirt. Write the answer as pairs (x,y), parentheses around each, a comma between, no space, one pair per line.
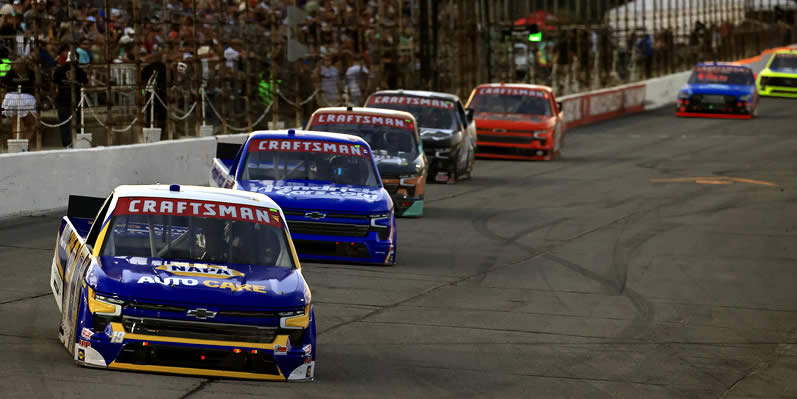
(354,78)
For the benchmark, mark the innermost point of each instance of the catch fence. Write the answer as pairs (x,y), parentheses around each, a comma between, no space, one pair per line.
(222,66)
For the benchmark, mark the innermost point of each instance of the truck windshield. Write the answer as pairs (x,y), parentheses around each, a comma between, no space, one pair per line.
(331,162)
(784,61)
(511,101)
(429,113)
(197,231)
(722,75)
(382,139)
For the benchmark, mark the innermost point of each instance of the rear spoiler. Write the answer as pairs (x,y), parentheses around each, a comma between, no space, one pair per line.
(84,207)
(227,150)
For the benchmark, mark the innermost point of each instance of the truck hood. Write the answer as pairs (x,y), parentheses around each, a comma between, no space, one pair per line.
(170,282)
(485,120)
(708,88)
(440,138)
(392,166)
(322,196)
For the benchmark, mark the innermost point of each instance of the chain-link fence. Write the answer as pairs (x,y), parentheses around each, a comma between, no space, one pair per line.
(113,68)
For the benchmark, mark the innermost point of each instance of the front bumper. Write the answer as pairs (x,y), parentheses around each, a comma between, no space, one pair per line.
(407,195)
(442,162)
(370,249)
(777,91)
(514,146)
(728,110)
(116,349)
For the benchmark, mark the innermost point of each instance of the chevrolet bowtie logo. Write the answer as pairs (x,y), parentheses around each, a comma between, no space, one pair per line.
(202,313)
(315,215)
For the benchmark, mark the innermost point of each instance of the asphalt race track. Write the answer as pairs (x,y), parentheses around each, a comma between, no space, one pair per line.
(657,259)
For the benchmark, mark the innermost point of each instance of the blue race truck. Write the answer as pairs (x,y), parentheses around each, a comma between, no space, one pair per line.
(327,185)
(184,280)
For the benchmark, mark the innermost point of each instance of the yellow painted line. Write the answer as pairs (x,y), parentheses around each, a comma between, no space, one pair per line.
(760,182)
(680,179)
(714,180)
(703,181)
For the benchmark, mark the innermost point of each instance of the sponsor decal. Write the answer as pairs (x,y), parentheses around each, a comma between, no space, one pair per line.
(308,349)
(512,91)
(84,343)
(86,333)
(351,118)
(179,207)
(307,360)
(280,350)
(191,282)
(593,107)
(405,100)
(390,159)
(189,270)
(81,355)
(117,337)
(368,194)
(309,371)
(720,68)
(324,147)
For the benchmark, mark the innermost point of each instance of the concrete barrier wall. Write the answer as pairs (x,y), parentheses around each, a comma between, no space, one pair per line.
(35,182)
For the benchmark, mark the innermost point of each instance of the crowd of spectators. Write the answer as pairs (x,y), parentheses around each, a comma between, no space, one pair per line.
(244,54)
(238,49)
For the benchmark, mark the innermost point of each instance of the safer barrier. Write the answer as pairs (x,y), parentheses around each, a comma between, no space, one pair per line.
(36,182)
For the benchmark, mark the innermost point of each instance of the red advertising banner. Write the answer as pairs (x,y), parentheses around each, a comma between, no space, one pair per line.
(325,147)
(352,118)
(199,208)
(409,100)
(596,106)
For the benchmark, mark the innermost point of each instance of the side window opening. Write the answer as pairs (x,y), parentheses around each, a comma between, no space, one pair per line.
(461,113)
(96,226)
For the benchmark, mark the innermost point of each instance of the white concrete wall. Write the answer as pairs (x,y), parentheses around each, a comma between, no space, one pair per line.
(662,91)
(36,182)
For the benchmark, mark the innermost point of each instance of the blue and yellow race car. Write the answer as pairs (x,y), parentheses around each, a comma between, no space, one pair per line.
(719,91)
(779,78)
(185,280)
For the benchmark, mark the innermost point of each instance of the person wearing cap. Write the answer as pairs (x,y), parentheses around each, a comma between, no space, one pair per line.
(69,79)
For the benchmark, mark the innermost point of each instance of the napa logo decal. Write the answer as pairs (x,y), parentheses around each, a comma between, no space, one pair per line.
(191,270)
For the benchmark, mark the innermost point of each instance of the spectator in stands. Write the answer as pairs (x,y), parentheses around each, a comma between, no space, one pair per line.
(645,48)
(330,82)
(69,79)
(154,75)
(5,62)
(18,102)
(355,75)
